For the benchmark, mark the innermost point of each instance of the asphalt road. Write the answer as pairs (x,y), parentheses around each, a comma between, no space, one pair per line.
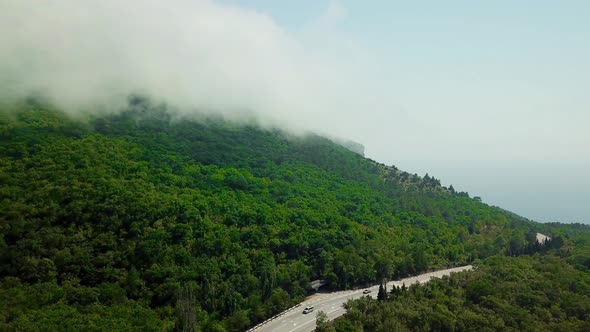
(293,320)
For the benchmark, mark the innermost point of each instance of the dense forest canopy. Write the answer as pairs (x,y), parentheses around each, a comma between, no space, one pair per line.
(539,292)
(143,219)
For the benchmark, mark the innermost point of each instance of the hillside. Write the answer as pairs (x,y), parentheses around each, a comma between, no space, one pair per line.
(147,219)
(540,292)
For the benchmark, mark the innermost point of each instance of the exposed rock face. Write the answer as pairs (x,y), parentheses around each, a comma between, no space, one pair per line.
(541,238)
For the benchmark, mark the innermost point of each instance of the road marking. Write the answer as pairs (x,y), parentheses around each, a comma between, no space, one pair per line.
(332,311)
(311,321)
(327,300)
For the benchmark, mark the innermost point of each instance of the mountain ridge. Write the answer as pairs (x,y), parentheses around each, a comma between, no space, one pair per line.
(209,222)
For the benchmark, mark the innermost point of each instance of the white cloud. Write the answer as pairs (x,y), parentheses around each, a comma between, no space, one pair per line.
(413,100)
(194,54)
(335,12)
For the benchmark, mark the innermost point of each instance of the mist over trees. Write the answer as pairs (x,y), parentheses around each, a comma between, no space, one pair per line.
(135,219)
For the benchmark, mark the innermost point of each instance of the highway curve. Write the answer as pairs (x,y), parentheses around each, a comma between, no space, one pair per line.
(293,320)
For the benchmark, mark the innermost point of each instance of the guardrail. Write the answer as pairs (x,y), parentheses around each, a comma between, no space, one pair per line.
(430,275)
(259,325)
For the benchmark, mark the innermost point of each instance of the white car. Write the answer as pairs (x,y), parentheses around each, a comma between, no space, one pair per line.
(308,309)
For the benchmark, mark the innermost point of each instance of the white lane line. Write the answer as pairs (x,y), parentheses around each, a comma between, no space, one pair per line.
(324,300)
(311,321)
(327,313)
(300,326)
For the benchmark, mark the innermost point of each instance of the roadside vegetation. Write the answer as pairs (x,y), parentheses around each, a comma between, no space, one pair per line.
(143,219)
(545,291)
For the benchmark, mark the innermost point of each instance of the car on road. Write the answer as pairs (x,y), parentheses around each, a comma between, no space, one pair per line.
(308,309)
(366,291)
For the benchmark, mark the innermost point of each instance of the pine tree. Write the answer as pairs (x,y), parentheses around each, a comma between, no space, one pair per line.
(382,295)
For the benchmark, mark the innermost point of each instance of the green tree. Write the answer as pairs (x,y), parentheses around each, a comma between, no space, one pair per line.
(186,310)
(382,294)
(322,322)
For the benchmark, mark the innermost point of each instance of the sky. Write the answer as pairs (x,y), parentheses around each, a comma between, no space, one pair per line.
(489,96)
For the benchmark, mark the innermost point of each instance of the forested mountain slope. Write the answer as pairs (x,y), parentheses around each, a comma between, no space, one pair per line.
(145,219)
(539,292)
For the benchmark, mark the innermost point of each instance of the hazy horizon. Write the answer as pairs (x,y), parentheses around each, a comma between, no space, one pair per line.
(490,98)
